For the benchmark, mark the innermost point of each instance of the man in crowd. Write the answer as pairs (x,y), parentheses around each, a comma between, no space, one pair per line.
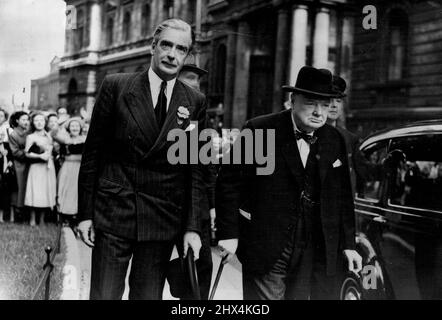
(132,202)
(191,75)
(296,225)
(335,118)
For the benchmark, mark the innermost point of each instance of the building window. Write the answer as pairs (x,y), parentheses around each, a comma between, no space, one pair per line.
(127,26)
(145,19)
(396,49)
(220,69)
(72,88)
(79,32)
(191,11)
(109,32)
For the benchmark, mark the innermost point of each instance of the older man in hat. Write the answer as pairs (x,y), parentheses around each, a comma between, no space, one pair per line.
(295,227)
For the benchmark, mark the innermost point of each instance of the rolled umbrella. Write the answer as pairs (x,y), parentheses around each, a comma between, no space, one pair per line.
(218,276)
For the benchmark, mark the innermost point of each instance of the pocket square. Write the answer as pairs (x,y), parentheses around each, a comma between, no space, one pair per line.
(245,214)
(190,127)
(337,163)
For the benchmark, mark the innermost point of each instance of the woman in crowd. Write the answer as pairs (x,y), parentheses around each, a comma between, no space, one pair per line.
(71,149)
(19,121)
(4,192)
(4,125)
(41,182)
(52,128)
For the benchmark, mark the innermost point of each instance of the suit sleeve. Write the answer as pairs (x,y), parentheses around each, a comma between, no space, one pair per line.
(231,190)
(98,135)
(348,212)
(197,179)
(211,182)
(17,153)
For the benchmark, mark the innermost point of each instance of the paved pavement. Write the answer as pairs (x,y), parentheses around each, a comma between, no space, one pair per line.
(229,286)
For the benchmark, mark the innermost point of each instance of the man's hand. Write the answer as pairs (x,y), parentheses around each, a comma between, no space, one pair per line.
(228,248)
(87,232)
(212,218)
(354,260)
(193,240)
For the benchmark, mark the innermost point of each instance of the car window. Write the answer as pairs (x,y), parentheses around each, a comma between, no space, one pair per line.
(369,171)
(417,179)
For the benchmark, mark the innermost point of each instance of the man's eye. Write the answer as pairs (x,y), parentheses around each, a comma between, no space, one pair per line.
(165,45)
(182,50)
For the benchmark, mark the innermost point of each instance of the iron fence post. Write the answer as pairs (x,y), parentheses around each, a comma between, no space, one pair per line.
(49,265)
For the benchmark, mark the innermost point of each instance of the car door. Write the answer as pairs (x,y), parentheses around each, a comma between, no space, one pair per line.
(369,204)
(410,241)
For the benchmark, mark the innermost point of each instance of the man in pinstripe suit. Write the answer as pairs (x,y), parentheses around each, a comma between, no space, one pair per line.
(132,202)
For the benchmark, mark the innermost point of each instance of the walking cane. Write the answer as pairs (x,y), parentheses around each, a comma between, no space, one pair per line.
(218,276)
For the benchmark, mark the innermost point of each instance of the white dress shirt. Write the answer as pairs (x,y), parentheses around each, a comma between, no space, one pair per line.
(303,146)
(155,87)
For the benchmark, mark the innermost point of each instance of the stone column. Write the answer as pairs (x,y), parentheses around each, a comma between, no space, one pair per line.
(280,58)
(243,52)
(230,75)
(91,89)
(346,61)
(320,38)
(95,27)
(299,41)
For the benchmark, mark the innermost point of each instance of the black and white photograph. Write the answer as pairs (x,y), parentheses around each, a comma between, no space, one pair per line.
(232,150)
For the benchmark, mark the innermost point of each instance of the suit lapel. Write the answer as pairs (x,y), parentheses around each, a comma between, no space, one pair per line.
(178,98)
(289,147)
(139,102)
(327,150)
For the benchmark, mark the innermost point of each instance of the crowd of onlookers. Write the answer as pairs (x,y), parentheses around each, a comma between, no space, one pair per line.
(40,156)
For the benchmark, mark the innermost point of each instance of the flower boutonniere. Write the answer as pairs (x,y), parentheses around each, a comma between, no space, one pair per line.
(182,114)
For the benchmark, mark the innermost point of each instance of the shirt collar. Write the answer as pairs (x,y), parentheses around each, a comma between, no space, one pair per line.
(155,80)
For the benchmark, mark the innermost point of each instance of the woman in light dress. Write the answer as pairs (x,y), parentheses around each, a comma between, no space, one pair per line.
(72,141)
(41,183)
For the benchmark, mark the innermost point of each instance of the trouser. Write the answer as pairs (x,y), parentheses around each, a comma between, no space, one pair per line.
(110,260)
(300,271)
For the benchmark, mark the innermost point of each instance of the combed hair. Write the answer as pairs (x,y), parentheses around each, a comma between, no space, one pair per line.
(174,23)
(13,119)
(37,113)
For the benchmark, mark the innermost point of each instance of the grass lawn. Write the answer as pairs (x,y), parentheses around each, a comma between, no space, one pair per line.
(22,257)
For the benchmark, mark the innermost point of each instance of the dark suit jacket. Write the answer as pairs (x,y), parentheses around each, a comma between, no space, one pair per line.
(351,143)
(273,200)
(126,185)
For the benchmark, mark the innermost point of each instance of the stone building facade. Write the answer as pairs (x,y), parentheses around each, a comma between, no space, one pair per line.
(250,48)
(397,68)
(110,36)
(44,91)
(256,46)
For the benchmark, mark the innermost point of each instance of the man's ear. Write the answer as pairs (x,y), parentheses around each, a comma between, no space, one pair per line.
(292,98)
(153,46)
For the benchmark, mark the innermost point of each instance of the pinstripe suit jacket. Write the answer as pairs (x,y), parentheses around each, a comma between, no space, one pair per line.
(126,185)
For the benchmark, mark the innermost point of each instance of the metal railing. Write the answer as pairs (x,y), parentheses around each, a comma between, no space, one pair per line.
(48,267)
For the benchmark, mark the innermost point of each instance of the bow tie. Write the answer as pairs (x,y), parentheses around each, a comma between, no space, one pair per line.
(307,138)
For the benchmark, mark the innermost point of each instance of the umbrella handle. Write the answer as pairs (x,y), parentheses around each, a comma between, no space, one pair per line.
(218,276)
(193,274)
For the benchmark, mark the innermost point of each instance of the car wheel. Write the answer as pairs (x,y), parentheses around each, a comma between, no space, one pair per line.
(351,289)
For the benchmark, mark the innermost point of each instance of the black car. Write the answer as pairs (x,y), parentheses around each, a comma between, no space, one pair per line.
(398,208)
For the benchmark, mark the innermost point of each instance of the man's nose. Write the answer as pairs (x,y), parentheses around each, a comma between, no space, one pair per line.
(171,53)
(318,110)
